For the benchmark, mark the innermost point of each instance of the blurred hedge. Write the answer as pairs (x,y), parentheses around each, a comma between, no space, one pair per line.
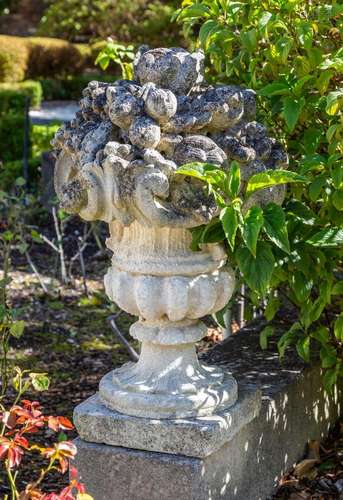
(11,136)
(11,102)
(40,138)
(135,22)
(12,96)
(35,57)
(11,170)
(71,87)
(14,57)
(53,57)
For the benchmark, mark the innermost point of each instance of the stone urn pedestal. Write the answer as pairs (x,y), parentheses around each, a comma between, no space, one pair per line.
(156,276)
(153,424)
(169,405)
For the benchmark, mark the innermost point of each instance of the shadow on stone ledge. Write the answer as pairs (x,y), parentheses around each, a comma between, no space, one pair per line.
(295,409)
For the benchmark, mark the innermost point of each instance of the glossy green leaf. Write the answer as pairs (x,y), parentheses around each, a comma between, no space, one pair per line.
(291,111)
(206,30)
(234,180)
(273,306)
(297,88)
(17,329)
(198,170)
(288,338)
(196,10)
(328,356)
(272,178)
(329,237)
(283,47)
(253,222)
(273,89)
(321,334)
(40,381)
(323,81)
(301,286)
(257,271)
(249,40)
(334,102)
(311,140)
(213,232)
(303,348)
(301,212)
(196,237)
(229,219)
(316,186)
(338,327)
(275,226)
(337,199)
(305,33)
(265,334)
(264,19)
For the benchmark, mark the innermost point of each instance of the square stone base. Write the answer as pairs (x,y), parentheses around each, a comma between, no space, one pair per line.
(194,437)
(114,473)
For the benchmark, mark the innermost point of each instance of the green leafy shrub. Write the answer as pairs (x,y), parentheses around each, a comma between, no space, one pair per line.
(53,57)
(35,57)
(140,21)
(11,136)
(11,101)
(12,165)
(119,54)
(290,53)
(70,87)
(41,137)
(29,88)
(11,170)
(13,59)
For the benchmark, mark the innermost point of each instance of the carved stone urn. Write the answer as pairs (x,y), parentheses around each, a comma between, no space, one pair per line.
(117,162)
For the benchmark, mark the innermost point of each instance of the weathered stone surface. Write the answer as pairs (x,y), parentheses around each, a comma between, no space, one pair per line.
(198,437)
(294,409)
(114,473)
(169,109)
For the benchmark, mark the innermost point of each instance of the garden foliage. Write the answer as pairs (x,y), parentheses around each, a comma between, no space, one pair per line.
(22,420)
(12,123)
(71,87)
(14,56)
(290,52)
(34,57)
(12,95)
(140,21)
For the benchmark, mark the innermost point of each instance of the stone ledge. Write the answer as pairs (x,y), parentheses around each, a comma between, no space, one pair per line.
(246,467)
(197,437)
(295,409)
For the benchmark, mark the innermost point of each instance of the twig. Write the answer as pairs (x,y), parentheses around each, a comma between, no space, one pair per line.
(94,227)
(111,319)
(49,242)
(36,273)
(60,246)
(82,247)
(83,269)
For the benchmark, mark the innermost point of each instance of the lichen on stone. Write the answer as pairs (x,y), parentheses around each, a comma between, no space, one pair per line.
(117,158)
